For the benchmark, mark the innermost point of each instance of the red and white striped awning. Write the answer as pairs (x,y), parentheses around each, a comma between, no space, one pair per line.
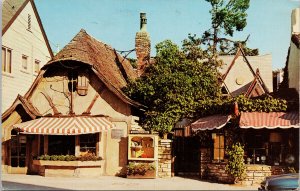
(65,125)
(271,120)
(210,122)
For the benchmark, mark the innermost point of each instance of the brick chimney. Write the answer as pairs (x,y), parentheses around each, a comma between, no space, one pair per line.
(142,45)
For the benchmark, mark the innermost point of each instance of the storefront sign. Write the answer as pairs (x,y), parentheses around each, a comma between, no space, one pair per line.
(117,133)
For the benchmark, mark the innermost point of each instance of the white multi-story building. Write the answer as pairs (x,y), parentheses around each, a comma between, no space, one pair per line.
(25,48)
(294,53)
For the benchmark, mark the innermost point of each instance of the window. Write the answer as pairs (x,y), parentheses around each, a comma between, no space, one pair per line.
(29,22)
(6,60)
(24,62)
(61,145)
(36,66)
(88,143)
(219,148)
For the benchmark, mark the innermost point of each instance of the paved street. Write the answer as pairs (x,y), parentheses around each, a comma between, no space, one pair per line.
(34,182)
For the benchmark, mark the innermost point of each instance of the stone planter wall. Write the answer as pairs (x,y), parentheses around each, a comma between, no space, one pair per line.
(255,174)
(69,168)
(276,170)
(164,158)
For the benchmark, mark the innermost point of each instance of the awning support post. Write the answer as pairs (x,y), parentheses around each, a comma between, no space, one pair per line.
(77,145)
(45,144)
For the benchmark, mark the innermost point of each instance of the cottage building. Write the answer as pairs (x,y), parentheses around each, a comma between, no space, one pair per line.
(75,106)
(25,48)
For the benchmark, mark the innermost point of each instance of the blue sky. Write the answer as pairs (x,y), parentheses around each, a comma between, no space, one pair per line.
(115,22)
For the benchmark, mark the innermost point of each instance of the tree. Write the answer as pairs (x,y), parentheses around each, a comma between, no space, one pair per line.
(226,17)
(175,86)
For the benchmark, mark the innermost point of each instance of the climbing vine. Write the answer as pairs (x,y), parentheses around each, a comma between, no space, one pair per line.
(236,166)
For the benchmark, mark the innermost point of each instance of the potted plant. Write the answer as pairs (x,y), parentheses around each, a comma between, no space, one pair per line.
(141,170)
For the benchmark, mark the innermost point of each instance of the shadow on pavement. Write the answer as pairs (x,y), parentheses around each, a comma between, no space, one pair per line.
(6,185)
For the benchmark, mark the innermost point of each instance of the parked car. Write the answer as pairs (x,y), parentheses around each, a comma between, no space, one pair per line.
(286,182)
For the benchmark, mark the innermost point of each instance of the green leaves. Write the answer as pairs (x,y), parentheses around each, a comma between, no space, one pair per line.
(236,166)
(175,86)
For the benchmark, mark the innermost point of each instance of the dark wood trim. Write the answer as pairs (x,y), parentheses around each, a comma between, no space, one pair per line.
(88,110)
(55,111)
(238,53)
(14,17)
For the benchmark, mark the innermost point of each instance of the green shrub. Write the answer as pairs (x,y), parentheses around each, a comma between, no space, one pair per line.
(61,158)
(236,166)
(89,157)
(86,157)
(47,157)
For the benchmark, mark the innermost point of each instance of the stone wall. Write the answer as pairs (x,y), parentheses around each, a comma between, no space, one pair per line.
(216,172)
(204,160)
(255,174)
(164,158)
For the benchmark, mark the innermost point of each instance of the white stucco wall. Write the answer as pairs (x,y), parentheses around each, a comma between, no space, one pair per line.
(22,42)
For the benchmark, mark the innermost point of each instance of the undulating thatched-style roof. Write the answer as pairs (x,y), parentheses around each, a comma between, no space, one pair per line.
(112,69)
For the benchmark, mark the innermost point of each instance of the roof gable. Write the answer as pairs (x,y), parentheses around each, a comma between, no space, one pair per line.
(256,88)
(27,106)
(11,10)
(238,76)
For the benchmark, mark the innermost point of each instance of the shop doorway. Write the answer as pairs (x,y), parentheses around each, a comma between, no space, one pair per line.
(186,150)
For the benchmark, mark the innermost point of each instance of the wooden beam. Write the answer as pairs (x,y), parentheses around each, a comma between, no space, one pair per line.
(98,93)
(55,111)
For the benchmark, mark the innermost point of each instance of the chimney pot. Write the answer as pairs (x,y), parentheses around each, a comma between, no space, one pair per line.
(143,23)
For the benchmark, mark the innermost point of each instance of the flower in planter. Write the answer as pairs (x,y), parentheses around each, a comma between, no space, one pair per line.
(139,168)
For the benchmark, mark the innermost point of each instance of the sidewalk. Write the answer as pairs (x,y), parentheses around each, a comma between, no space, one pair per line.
(34,182)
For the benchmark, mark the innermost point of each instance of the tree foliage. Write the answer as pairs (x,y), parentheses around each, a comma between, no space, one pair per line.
(227,16)
(175,86)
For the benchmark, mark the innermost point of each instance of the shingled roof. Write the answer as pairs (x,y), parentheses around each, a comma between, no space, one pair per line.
(113,69)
